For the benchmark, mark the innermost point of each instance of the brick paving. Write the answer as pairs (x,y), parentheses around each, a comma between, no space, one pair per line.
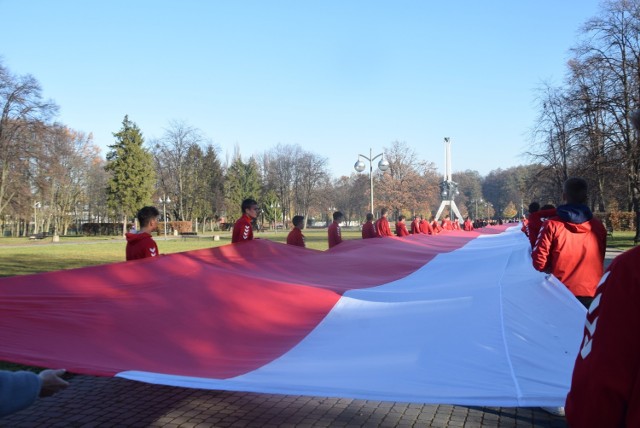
(113,402)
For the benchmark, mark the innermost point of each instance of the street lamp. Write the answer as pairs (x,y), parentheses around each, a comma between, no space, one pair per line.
(383,165)
(164,201)
(486,209)
(476,201)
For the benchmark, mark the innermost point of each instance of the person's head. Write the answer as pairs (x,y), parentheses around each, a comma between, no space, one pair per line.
(575,190)
(337,216)
(250,208)
(401,218)
(383,212)
(533,207)
(547,207)
(147,215)
(369,217)
(298,221)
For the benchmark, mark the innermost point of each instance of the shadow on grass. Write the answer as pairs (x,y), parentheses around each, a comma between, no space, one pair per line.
(25,264)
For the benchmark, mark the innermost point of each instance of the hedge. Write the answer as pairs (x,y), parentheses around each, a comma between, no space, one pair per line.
(618,220)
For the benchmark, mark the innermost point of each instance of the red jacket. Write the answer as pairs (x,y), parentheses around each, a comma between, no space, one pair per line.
(605,388)
(468,225)
(571,247)
(295,237)
(334,234)
(368,230)
(242,230)
(382,227)
(536,219)
(425,227)
(415,226)
(140,246)
(435,227)
(446,224)
(401,229)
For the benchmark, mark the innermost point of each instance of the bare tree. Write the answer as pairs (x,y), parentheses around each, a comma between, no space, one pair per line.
(23,112)
(173,154)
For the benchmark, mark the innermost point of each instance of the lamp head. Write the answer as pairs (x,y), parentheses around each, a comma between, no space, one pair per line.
(359,166)
(383,165)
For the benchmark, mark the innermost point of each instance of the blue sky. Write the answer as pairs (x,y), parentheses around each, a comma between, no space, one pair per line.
(336,77)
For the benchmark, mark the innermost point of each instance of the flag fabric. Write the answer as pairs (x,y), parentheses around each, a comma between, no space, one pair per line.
(457,318)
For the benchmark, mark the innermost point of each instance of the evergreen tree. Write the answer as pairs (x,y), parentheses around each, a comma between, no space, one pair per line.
(132,180)
(242,181)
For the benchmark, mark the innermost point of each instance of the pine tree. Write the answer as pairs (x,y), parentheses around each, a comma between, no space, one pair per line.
(133,178)
(242,181)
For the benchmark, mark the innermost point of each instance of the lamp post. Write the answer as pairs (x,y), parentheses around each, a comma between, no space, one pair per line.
(383,165)
(164,200)
(476,211)
(486,209)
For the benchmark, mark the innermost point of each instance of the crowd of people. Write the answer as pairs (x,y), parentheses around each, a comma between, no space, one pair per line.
(567,241)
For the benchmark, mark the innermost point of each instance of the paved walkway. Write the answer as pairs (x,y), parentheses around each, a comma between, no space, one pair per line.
(113,402)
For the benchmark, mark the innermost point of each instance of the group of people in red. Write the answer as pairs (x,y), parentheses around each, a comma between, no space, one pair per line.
(569,242)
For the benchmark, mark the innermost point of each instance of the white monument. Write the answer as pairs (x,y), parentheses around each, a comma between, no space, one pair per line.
(448,187)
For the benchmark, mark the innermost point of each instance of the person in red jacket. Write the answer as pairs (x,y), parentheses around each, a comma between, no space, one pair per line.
(296,237)
(435,227)
(415,225)
(243,229)
(536,220)
(333,233)
(605,384)
(401,227)
(533,207)
(382,224)
(368,228)
(446,223)
(468,225)
(141,245)
(425,226)
(571,245)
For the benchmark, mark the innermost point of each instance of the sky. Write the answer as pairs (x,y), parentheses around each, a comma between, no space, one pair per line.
(338,78)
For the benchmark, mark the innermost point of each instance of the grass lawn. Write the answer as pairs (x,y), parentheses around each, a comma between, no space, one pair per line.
(19,256)
(621,240)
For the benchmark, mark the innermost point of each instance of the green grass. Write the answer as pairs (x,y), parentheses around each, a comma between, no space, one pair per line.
(19,256)
(621,240)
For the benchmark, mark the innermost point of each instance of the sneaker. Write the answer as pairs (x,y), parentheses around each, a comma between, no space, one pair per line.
(555,411)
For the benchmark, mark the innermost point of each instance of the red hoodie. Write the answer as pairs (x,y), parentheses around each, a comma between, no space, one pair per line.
(536,219)
(571,246)
(140,246)
(605,388)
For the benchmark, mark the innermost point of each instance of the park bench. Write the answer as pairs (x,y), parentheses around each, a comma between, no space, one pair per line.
(187,235)
(41,235)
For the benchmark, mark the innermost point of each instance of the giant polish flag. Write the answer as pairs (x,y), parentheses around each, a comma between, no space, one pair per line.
(457,318)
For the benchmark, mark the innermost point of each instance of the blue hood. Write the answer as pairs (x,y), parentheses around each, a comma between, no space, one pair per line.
(574,213)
